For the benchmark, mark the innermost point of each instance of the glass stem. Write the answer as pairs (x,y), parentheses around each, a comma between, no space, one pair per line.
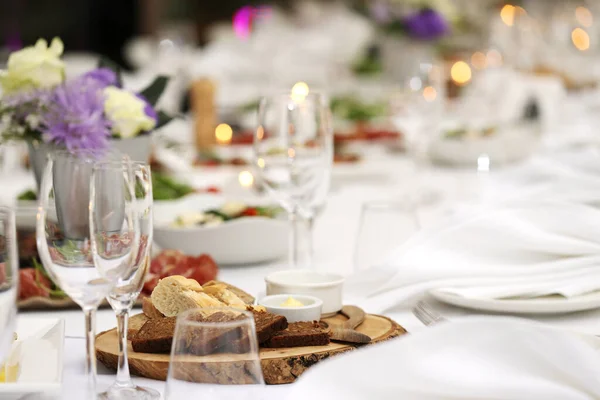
(90,345)
(123,376)
(310,249)
(293,252)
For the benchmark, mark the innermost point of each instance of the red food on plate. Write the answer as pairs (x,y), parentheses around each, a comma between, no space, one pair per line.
(250,212)
(33,284)
(173,262)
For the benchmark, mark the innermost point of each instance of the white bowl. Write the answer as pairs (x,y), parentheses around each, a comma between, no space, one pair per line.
(246,240)
(311,311)
(325,286)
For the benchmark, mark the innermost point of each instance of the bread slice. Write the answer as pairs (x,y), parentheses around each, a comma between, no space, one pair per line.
(245,297)
(268,324)
(156,336)
(149,310)
(206,340)
(135,324)
(224,295)
(300,334)
(176,294)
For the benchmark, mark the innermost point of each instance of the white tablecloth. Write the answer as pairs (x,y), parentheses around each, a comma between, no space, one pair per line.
(381,178)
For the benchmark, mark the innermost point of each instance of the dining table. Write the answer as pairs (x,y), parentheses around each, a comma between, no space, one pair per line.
(381,176)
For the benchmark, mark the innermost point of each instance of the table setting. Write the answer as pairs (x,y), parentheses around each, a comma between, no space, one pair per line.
(336,222)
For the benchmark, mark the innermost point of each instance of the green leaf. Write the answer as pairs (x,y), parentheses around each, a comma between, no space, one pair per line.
(163,119)
(153,92)
(113,66)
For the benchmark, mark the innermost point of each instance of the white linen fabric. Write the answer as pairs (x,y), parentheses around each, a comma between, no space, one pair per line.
(478,358)
(518,249)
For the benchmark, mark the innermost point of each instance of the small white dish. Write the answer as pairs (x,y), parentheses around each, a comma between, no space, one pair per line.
(310,311)
(247,240)
(325,286)
(541,305)
(40,359)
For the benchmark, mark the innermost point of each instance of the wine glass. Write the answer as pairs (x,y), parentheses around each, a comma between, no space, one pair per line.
(108,243)
(293,156)
(64,236)
(9,280)
(215,356)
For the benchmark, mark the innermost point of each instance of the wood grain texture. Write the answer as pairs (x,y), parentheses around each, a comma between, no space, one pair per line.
(279,365)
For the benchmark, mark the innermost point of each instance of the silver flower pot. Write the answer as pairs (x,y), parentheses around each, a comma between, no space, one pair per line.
(138,148)
(38,155)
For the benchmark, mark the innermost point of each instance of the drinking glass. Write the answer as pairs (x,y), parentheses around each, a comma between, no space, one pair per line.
(215,357)
(9,280)
(384,226)
(293,156)
(108,244)
(64,242)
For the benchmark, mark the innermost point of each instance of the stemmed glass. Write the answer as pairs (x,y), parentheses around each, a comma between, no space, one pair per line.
(293,155)
(108,244)
(9,280)
(64,239)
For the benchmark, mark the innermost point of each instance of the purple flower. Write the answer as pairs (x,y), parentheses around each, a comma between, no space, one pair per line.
(426,24)
(75,116)
(148,110)
(102,76)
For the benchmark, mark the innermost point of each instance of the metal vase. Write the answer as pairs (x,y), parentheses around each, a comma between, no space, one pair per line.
(138,148)
(72,178)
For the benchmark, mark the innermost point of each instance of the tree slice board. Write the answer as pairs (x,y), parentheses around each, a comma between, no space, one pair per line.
(279,365)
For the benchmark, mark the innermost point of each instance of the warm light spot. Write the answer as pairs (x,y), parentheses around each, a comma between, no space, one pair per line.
(260,162)
(494,58)
(415,83)
(246,179)
(507,14)
(584,16)
(291,153)
(223,133)
(479,60)
(260,133)
(429,93)
(300,91)
(581,39)
(460,72)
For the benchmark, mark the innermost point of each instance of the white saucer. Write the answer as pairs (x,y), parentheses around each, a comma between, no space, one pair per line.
(541,305)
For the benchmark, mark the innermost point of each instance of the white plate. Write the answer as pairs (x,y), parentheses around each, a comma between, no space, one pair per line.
(41,364)
(242,241)
(541,305)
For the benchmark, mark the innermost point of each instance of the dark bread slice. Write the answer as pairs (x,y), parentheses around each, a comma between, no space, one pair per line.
(205,340)
(155,336)
(300,334)
(268,324)
(135,324)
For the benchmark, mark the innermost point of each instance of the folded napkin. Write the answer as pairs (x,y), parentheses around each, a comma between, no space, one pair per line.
(476,358)
(518,249)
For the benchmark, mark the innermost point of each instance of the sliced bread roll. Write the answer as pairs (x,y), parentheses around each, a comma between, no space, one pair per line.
(221,293)
(176,294)
(149,310)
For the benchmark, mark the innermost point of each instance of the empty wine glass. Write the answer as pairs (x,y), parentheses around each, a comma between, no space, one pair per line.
(64,236)
(293,155)
(9,280)
(215,356)
(108,244)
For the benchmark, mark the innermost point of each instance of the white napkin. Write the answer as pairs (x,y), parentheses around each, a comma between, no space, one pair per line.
(477,358)
(519,249)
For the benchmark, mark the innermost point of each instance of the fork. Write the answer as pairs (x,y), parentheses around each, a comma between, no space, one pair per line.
(426,314)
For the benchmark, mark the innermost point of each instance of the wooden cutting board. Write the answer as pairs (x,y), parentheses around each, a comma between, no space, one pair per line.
(279,365)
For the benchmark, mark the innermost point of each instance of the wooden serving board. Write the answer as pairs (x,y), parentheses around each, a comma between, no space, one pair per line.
(279,365)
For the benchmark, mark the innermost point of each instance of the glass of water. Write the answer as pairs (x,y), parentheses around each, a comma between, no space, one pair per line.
(293,156)
(9,280)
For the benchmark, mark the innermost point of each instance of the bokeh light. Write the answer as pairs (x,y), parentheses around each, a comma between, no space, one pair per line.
(246,179)
(223,133)
(460,72)
(584,16)
(479,60)
(581,39)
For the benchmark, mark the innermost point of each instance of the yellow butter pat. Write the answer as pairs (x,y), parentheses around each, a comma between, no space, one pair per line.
(291,302)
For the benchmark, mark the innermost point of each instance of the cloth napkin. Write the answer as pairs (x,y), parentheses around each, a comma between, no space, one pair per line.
(476,358)
(523,248)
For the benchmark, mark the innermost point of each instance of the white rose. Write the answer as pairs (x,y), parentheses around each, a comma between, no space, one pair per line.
(126,112)
(34,67)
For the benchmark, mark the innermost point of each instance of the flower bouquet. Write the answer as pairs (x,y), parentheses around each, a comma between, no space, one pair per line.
(92,112)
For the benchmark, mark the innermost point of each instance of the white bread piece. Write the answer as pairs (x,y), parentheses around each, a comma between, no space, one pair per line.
(221,293)
(149,310)
(176,294)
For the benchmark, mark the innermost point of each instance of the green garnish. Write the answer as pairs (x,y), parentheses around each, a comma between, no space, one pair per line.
(28,195)
(166,188)
(352,109)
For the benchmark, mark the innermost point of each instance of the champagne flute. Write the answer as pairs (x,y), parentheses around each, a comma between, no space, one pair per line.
(293,156)
(9,280)
(138,183)
(64,243)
